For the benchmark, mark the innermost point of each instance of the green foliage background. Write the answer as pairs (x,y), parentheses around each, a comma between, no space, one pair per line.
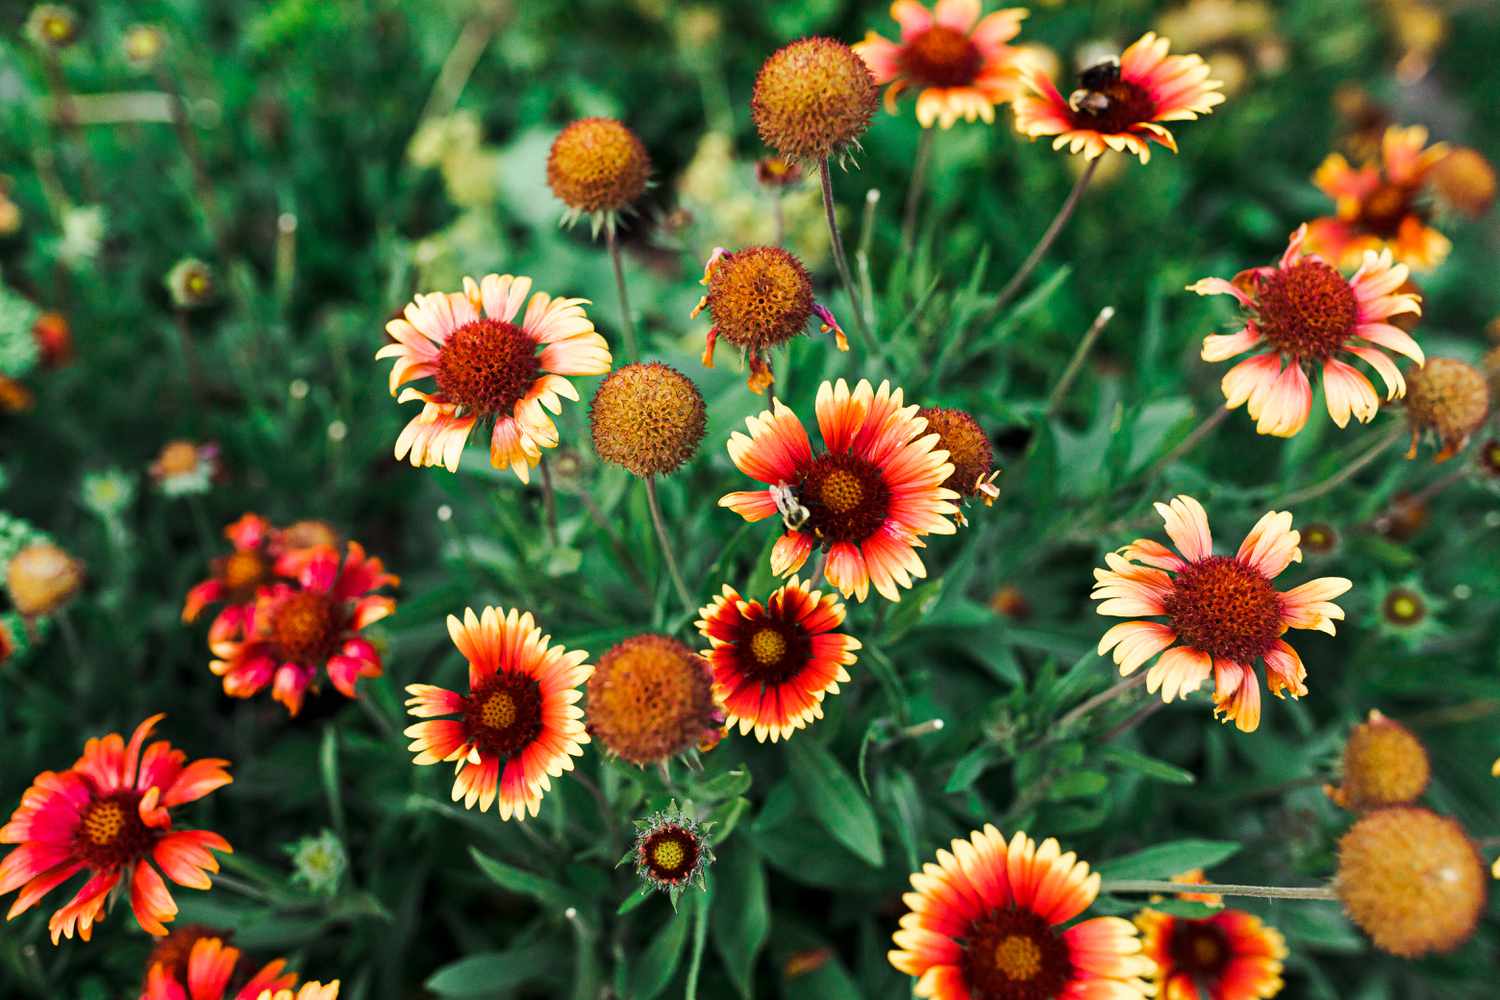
(308,107)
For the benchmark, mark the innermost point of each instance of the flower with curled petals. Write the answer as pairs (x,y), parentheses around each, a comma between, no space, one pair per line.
(867,500)
(1120,104)
(985,922)
(1303,314)
(958,62)
(489,369)
(1223,613)
(1380,206)
(110,815)
(519,723)
(209,971)
(773,663)
(307,623)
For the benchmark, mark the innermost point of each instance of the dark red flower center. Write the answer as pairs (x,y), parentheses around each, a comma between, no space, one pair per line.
(504,715)
(1319,538)
(942,57)
(846,498)
(774,651)
(1106,103)
(670,854)
(1307,311)
(1489,458)
(110,831)
(1013,954)
(305,626)
(1403,606)
(1199,949)
(1385,208)
(487,366)
(1226,609)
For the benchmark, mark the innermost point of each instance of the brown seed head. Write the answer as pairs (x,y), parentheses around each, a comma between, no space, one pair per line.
(311,534)
(42,578)
(1492,370)
(1384,765)
(648,418)
(1412,880)
(651,699)
(1465,179)
(1448,397)
(759,297)
(598,165)
(966,444)
(813,99)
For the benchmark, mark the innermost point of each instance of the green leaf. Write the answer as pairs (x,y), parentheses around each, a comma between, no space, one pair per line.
(488,973)
(726,785)
(1150,767)
(513,879)
(1077,785)
(969,767)
(1171,858)
(328,767)
(641,894)
(835,799)
(742,918)
(659,962)
(725,818)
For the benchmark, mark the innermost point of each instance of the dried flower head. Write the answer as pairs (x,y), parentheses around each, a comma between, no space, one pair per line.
(968,448)
(1465,180)
(759,298)
(52,26)
(191,283)
(1412,880)
(597,167)
(1449,398)
(650,699)
(813,99)
(647,418)
(42,578)
(671,851)
(1384,765)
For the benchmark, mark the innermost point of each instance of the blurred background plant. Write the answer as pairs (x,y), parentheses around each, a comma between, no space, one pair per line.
(224,202)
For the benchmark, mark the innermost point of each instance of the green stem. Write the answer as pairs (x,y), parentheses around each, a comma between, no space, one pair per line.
(1205,427)
(627,325)
(1044,244)
(1106,695)
(1075,364)
(1211,888)
(914,191)
(549,501)
(840,261)
(1346,472)
(660,524)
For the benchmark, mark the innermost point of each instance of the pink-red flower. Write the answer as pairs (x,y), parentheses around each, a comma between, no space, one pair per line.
(210,970)
(959,63)
(1301,316)
(986,921)
(1382,206)
(237,576)
(1223,613)
(110,816)
(1122,105)
(519,723)
(490,369)
(303,625)
(773,663)
(867,500)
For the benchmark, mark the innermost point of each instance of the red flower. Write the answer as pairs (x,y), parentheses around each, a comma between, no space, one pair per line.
(237,576)
(205,973)
(110,815)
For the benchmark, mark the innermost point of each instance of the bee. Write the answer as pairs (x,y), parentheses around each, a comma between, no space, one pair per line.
(793,514)
(1090,97)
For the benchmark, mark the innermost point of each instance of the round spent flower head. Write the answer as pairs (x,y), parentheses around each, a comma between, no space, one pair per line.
(1412,880)
(191,283)
(959,64)
(987,920)
(196,963)
(490,371)
(41,578)
(107,493)
(1405,611)
(319,862)
(813,99)
(110,816)
(759,298)
(1465,180)
(650,699)
(1451,399)
(1319,539)
(1488,458)
(1120,104)
(518,726)
(1381,205)
(647,418)
(671,851)
(1305,315)
(52,26)
(1384,765)
(774,663)
(968,448)
(1223,612)
(597,167)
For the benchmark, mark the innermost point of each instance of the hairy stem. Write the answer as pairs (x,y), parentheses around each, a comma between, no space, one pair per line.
(914,191)
(842,262)
(627,325)
(1108,694)
(1075,364)
(1044,244)
(1348,471)
(666,545)
(1260,891)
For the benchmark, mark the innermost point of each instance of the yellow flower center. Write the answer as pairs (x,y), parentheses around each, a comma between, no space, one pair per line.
(104,822)
(243,571)
(767,646)
(841,492)
(668,854)
(1018,957)
(498,711)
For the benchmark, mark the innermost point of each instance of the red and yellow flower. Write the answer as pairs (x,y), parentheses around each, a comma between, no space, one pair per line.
(1300,316)
(238,576)
(867,500)
(490,369)
(959,62)
(1121,105)
(295,629)
(987,920)
(1381,206)
(206,972)
(1231,955)
(519,723)
(110,815)
(1223,613)
(773,663)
